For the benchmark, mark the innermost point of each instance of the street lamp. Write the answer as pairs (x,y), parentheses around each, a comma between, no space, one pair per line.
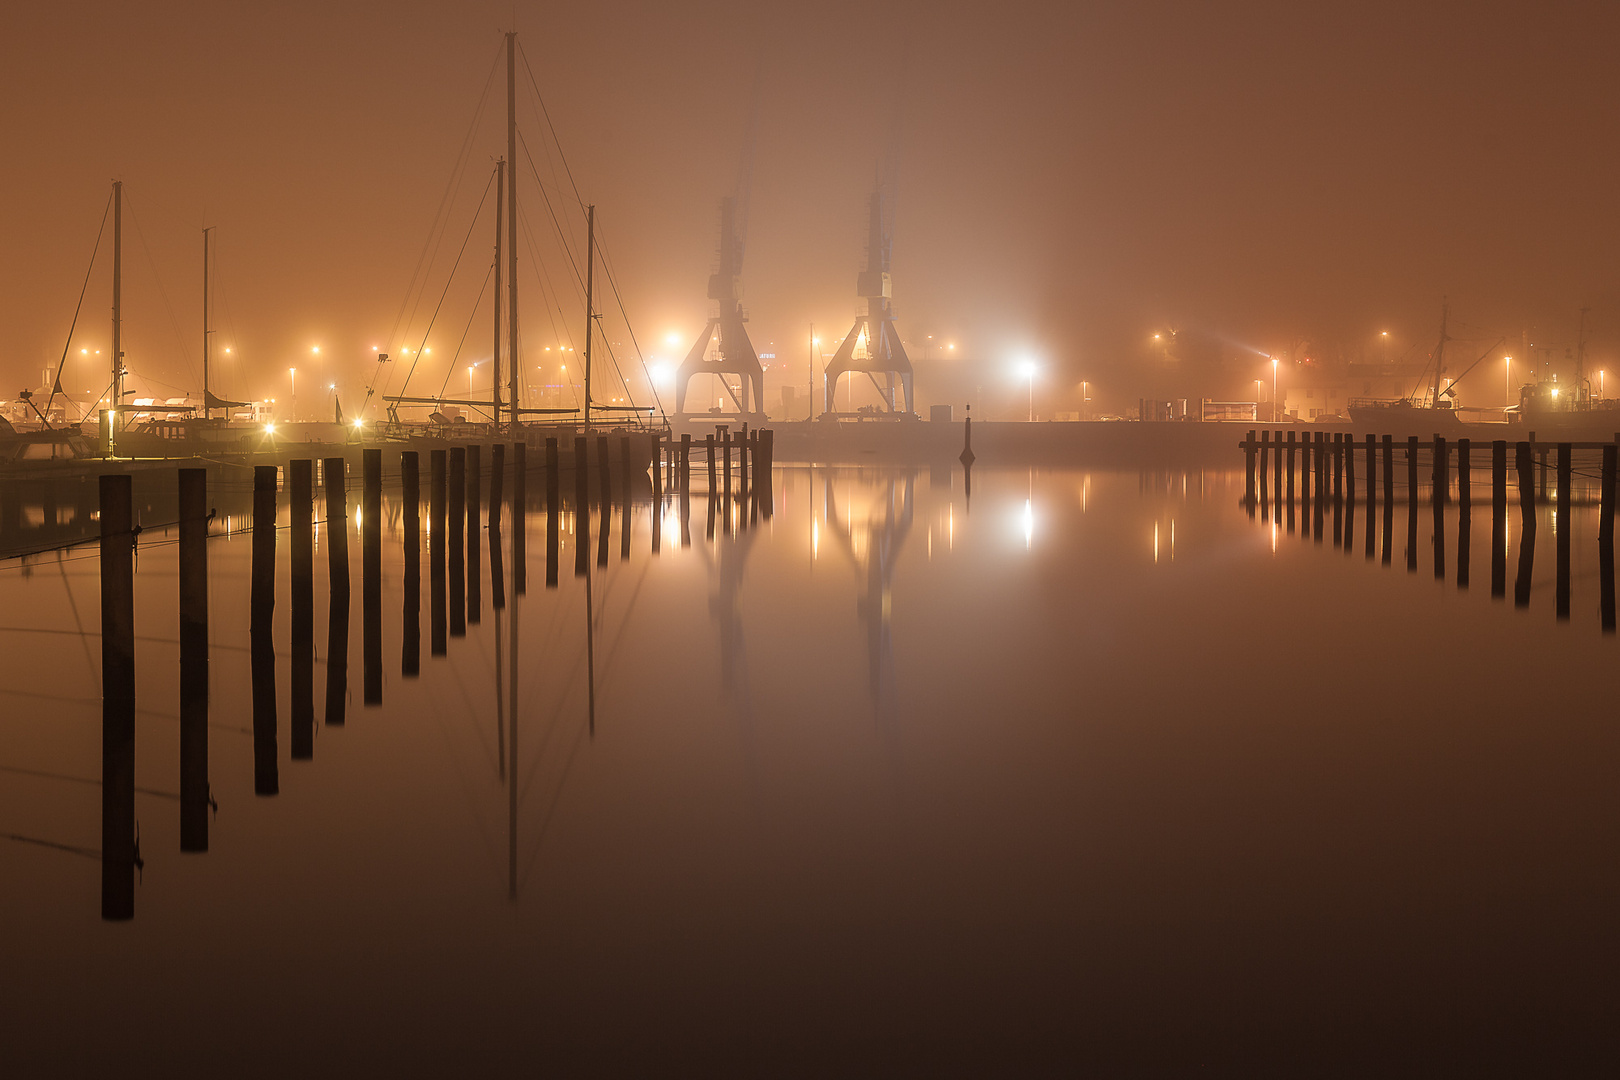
(1029,369)
(292,374)
(1273,389)
(1507,382)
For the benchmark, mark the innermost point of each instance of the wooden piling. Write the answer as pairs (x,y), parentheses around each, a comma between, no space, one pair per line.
(1338,489)
(1564,477)
(1499,518)
(520,512)
(1527,524)
(410,648)
(685,476)
(1265,488)
(1348,449)
(553,511)
(475,529)
(1606,539)
(1411,503)
(338,592)
(1372,494)
(266,776)
(605,476)
(1290,496)
(1250,448)
(371,523)
(193,659)
(1321,487)
(1439,482)
(582,512)
(624,506)
(117,521)
(437,541)
(300,499)
(455,522)
(1465,513)
(497,488)
(1389,500)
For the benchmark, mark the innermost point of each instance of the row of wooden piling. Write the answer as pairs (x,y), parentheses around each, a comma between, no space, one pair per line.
(455,513)
(1329,463)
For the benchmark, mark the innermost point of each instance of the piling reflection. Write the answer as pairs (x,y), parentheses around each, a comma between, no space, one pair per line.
(194,793)
(888,519)
(436,560)
(410,648)
(300,493)
(266,779)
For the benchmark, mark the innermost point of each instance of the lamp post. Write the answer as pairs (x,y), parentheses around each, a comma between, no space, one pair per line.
(1273,389)
(1029,369)
(292,374)
(1507,382)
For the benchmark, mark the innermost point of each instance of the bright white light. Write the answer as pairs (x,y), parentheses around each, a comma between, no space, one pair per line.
(316,350)
(359,422)
(1027,369)
(1029,524)
(269,429)
(672,338)
(661,373)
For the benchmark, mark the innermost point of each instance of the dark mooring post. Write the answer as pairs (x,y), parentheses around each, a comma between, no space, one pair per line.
(725,476)
(1250,448)
(497,484)
(1439,482)
(117,698)
(1321,487)
(1499,518)
(193,660)
(266,779)
(1606,539)
(553,511)
(300,498)
(605,481)
(456,476)
(1276,476)
(1290,496)
(1564,471)
(1411,503)
(370,569)
(1541,477)
(475,547)
(437,512)
(1527,524)
(1372,493)
(1338,489)
(520,512)
(685,477)
(1347,449)
(1465,513)
(624,506)
(1305,485)
(582,508)
(410,650)
(708,453)
(657,519)
(337,614)
(765,479)
(1389,500)
(1265,488)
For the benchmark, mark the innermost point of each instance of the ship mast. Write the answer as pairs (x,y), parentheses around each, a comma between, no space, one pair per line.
(495,352)
(1440,356)
(207,332)
(590,302)
(511,225)
(117,313)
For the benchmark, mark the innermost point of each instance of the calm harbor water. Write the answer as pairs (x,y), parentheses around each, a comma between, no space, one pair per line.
(1093,769)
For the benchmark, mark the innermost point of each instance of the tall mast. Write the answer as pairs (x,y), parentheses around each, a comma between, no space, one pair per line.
(511,222)
(1440,356)
(590,301)
(495,353)
(207,332)
(117,303)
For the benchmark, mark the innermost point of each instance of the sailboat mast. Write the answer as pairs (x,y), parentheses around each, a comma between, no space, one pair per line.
(590,301)
(118,304)
(495,352)
(207,332)
(511,222)
(1440,356)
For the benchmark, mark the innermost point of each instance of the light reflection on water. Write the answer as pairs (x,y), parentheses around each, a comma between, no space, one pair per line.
(1077,758)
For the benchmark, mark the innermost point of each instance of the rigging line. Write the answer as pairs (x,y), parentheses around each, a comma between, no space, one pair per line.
(68,344)
(550,296)
(459,345)
(452,185)
(174,323)
(613,282)
(578,277)
(448,281)
(549,125)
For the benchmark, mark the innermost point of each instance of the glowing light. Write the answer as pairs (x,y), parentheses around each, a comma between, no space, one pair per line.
(359,422)
(661,373)
(1029,524)
(672,338)
(316,350)
(227,348)
(1555,391)
(84,352)
(270,429)
(1026,369)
